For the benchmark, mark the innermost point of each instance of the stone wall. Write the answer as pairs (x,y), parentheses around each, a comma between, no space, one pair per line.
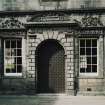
(68,37)
(94,85)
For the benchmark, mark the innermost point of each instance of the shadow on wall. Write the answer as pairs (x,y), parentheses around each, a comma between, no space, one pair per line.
(14,98)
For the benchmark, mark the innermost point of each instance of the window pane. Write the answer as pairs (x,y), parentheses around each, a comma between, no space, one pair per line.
(82,43)
(19,44)
(88,60)
(18,52)
(88,51)
(94,43)
(19,68)
(15,60)
(88,43)
(82,70)
(12,60)
(82,51)
(94,68)
(7,44)
(13,70)
(94,60)
(7,60)
(7,52)
(8,70)
(94,51)
(88,69)
(13,43)
(13,52)
(19,60)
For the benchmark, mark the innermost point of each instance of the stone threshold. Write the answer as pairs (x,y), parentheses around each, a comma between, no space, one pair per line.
(51,94)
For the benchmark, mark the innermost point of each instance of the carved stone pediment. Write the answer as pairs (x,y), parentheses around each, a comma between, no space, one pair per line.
(50,17)
(10,23)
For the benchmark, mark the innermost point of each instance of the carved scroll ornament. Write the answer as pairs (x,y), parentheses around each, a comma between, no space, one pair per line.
(90,21)
(10,23)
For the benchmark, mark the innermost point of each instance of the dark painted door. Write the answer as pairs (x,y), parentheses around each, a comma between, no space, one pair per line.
(50,67)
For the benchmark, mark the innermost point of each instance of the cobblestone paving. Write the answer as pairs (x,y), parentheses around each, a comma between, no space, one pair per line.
(52,100)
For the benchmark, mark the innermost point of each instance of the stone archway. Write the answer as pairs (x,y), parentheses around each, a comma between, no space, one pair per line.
(67,43)
(50,64)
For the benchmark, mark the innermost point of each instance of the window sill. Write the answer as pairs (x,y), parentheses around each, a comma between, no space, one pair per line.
(88,74)
(11,75)
(90,77)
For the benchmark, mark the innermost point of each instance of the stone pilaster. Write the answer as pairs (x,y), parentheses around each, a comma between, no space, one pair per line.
(69,62)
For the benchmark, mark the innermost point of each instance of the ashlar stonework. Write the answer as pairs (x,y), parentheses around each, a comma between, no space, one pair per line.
(66,28)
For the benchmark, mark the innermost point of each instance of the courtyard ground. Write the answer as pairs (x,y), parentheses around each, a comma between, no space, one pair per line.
(51,100)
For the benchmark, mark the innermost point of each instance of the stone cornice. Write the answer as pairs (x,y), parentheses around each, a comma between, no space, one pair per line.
(53,18)
(68,11)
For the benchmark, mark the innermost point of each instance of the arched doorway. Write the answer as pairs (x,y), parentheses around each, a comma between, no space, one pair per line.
(50,64)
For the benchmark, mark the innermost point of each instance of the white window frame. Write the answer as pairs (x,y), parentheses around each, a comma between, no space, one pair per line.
(92,73)
(22,54)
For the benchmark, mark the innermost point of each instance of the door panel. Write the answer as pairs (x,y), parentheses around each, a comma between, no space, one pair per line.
(50,67)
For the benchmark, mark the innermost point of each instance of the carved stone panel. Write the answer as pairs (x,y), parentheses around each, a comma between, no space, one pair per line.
(10,23)
(90,21)
(49,16)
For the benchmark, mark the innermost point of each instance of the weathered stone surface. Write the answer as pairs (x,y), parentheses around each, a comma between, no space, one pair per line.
(68,37)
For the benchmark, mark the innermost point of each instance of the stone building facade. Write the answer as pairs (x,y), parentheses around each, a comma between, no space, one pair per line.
(52,51)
